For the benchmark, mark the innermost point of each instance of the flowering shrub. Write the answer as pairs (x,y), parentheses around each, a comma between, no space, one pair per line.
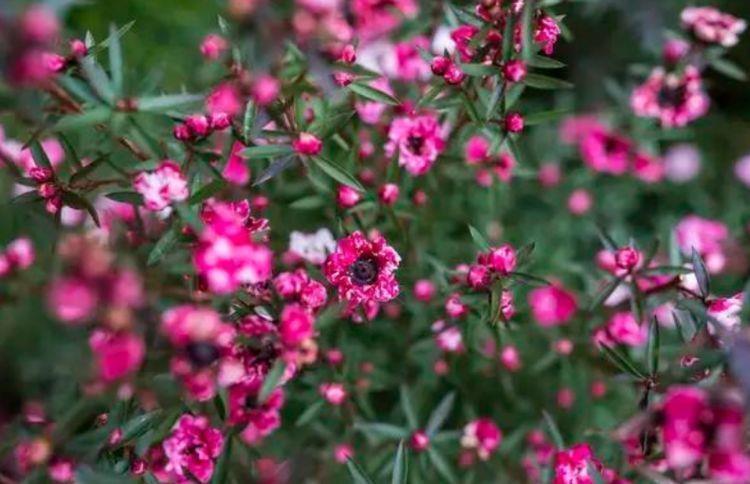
(381,240)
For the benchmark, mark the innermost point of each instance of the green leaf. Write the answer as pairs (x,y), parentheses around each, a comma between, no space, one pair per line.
(701,274)
(369,92)
(78,202)
(479,240)
(729,69)
(539,81)
(479,70)
(545,117)
(206,192)
(310,413)
(189,216)
(266,151)
(441,465)
(166,102)
(115,60)
(140,424)
(400,473)
(163,246)
(307,203)
(274,169)
(623,362)
(98,80)
(112,37)
(221,471)
(40,156)
(248,120)
(654,346)
(337,173)
(133,198)
(89,475)
(271,381)
(95,115)
(553,430)
(544,62)
(530,279)
(440,414)
(408,407)
(358,474)
(605,293)
(381,430)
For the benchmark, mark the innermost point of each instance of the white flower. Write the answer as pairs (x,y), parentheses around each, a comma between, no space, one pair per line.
(313,247)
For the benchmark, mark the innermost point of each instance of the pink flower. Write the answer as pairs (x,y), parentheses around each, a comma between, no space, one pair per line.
(424,290)
(307,144)
(347,197)
(62,470)
(628,258)
(440,65)
(571,466)
(675,50)
(236,170)
(39,24)
(726,311)
(482,436)
(348,54)
(454,75)
(296,325)
(510,358)
(18,255)
(363,269)
(161,187)
(675,99)
(742,170)
(580,202)
(514,71)
(409,65)
(477,150)
(623,328)
(388,193)
(682,432)
(375,18)
(72,299)
(226,256)
(334,393)
(546,33)
(707,237)
(513,122)
(448,340)
(712,26)
(192,448)
(454,307)
(418,141)
(419,441)
(225,98)
(462,36)
(552,305)
(265,89)
(213,46)
(342,453)
(648,168)
(117,355)
(604,151)
(501,259)
(299,286)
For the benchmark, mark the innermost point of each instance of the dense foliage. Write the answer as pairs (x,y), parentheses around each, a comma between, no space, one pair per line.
(371,240)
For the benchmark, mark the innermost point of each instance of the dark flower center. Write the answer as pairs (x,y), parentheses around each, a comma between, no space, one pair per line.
(416,143)
(202,353)
(364,271)
(671,96)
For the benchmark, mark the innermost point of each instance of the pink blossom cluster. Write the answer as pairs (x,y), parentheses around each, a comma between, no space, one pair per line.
(227,256)
(477,154)
(708,237)
(199,126)
(481,438)
(162,187)
(573,466)
(18,255)
(189,452)
(606,151)
(712,26)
